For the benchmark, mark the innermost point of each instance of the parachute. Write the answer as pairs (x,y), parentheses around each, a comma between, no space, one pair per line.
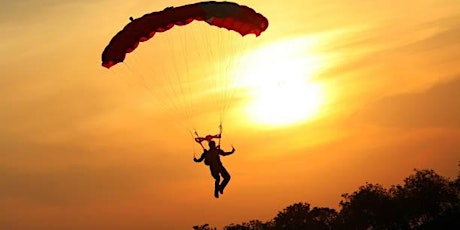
(228,15)
(173,79)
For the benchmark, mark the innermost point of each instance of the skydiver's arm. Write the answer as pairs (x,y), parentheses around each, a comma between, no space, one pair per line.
(203,155)
(228,153)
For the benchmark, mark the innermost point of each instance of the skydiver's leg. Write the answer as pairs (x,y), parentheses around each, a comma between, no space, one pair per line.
(216,187)
(226,177)
(215,175)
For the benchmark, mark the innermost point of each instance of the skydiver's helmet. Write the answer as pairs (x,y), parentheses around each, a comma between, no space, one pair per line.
(212,144)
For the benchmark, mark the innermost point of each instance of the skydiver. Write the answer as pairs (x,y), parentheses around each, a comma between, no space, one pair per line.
(211,158)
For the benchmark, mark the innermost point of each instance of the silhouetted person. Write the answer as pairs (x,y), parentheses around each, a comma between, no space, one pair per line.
(211,157)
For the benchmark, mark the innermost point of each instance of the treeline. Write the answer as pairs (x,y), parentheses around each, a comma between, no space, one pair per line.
(425,201)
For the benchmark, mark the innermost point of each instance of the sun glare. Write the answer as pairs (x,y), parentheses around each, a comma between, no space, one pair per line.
(278,78)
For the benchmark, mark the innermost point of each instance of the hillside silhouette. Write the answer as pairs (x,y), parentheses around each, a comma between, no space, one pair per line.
(424,201)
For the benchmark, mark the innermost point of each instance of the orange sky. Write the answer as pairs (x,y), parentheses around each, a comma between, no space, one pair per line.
(84,147)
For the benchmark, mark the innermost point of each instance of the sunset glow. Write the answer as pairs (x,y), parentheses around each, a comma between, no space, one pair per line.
(278,78)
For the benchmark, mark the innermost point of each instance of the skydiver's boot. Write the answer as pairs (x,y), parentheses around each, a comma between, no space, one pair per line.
(216,193)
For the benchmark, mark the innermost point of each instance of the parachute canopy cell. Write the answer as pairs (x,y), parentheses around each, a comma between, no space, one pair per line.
(228,15)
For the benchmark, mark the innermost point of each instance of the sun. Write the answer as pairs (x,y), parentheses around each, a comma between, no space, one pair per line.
(278,80)
(285,104)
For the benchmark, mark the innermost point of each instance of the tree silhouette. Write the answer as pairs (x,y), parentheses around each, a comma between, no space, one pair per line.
(368,208)
(251,225)
(425,201)
(299,216)
(293,217)
(425,197)
(322,218)
(203,227)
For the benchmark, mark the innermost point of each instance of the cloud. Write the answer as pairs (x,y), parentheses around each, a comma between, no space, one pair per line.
(392,46)
(438,106)
(446,36)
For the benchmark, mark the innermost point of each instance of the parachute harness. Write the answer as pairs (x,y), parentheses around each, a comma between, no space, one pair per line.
(208,138)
